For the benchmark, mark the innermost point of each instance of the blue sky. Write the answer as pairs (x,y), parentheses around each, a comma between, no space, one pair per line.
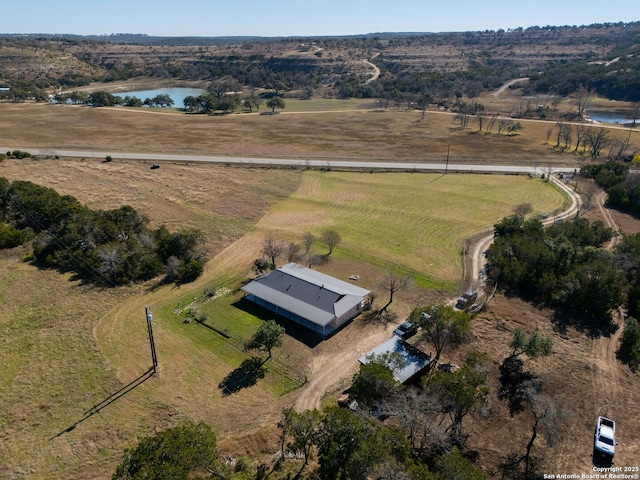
(299,18)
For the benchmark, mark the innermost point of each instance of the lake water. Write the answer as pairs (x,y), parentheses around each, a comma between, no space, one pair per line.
(609,116)
(177,94)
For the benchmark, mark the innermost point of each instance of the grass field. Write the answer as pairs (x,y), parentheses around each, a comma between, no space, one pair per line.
(66,346)
(354,134)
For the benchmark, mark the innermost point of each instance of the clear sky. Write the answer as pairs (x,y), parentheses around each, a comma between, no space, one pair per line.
(300,18)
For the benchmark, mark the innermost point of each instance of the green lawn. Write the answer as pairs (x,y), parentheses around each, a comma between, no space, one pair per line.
(417,221)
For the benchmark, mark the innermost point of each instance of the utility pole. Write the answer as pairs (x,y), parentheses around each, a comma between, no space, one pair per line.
(446,168)
(154,358)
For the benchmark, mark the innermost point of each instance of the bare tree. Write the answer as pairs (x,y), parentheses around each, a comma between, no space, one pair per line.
(423,103)
(548,418)
(564,134)
(331,238)
(293,252)
(549,133)
(480,118)
(391,283)
(272,248)
(503,124)
(462,119)
(307,240)
(491,124)
(582,97)
(596,139)
(580,137)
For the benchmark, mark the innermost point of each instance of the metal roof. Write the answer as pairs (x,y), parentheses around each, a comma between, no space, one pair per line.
(414,359)
(307,293)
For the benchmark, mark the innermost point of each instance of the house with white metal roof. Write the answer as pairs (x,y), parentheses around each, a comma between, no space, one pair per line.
(310,298)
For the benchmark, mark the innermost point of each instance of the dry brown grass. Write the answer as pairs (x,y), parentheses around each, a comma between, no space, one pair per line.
(369,134)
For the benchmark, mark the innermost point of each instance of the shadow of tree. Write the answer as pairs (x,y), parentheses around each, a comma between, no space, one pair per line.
(594,327)
(246,375)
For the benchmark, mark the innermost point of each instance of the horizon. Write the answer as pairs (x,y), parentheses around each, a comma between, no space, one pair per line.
(287,18)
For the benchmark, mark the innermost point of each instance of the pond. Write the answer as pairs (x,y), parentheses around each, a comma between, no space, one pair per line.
(611,116)
(177,94)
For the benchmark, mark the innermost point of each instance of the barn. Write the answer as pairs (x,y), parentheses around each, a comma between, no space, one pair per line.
(310,298)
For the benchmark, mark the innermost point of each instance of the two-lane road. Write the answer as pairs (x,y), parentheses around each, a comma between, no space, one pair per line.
(292,162)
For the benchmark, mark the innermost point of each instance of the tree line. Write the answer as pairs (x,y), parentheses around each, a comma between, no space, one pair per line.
(562,265)
(109,247)
(566,267)
(622,187)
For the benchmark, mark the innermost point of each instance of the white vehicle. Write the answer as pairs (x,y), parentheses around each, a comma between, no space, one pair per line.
(605,437)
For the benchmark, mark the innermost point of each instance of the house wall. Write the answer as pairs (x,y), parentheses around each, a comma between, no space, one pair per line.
(326,331)
(344,318)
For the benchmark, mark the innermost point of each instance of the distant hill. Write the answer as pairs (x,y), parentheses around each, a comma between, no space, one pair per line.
(442,65)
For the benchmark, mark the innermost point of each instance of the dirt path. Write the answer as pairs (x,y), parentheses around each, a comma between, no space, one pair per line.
(376,70)
(609,220)
(338,360)
(507,85)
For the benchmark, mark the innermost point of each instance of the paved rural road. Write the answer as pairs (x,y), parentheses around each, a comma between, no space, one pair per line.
(292,162)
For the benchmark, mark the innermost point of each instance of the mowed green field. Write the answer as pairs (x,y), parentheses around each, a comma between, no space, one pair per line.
(413,220)
(65,347)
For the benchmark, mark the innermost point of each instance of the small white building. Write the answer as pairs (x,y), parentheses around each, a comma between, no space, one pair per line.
(415,360)
(310,298)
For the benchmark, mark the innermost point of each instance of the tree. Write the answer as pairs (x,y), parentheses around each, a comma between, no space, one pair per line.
(350,447)
(272,248)
(268,336)
(460,392)
(331,238)
(582,96)
(564,134)
(517,384)
(374,382)
(293,251)
(299,432)
(275,102)
(392,283)
(629,346)
(442,327)
(307,240)
(532,345)
(596,139)
(177,453)
(162,100)
(423,103)
(103,99)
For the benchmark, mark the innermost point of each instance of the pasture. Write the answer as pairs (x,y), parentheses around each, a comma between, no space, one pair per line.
(69,346)
(350,134)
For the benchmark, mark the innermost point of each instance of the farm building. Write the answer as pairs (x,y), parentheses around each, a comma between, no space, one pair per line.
(415,361)
(312,299)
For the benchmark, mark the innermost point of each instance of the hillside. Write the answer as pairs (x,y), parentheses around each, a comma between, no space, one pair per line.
(444,63)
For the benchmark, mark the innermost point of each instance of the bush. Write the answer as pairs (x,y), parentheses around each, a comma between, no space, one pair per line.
(18,154)
(629,348)
(177,453)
